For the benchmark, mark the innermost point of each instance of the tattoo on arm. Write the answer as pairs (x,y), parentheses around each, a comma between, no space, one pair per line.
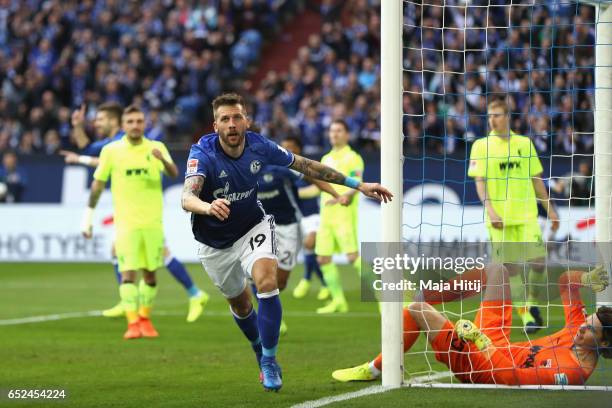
(317,170)
(193,187)
(97,187)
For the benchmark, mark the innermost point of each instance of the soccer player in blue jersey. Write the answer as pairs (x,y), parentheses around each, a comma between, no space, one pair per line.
(309,224)
(237,238)
(108,125)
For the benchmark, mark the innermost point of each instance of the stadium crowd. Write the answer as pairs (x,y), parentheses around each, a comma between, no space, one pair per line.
(173,57)
(543,61)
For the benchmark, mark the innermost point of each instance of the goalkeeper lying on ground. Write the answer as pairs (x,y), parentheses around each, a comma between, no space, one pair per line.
(480,352)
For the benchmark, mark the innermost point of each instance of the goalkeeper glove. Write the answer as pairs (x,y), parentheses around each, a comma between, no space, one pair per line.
(468,331)
(597,279)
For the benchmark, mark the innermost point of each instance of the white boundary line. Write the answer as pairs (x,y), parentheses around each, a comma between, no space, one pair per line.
(424,381)
(98,313)
(375,389)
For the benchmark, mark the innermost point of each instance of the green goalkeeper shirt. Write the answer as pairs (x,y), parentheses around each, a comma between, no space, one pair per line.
(507,165)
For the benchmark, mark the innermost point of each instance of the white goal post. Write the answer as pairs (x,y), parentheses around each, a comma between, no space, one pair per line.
(392,161)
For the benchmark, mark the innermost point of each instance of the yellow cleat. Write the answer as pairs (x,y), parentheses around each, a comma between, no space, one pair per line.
(196,307)
(301,290)
(323,293)
(283,328)
(334,307)
(115,311)
(359,373)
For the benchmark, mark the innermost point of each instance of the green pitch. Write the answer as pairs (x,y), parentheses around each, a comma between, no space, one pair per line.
(205,364)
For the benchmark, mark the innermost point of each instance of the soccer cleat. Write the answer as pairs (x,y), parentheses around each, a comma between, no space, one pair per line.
(359,373)
(283,328)
(537,323)
(133,331)
(271,372)
(323,293)
(301,290)
(146,328)
(115,311)
(468,331)
(196,306)
(334,307)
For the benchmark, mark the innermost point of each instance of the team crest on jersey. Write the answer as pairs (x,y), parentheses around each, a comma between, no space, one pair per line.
(268,178)
(473,164)
(255,166)
(192,166)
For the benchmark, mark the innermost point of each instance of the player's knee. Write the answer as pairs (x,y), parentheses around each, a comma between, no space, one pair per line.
(242,310)
(267,284)
(149,278)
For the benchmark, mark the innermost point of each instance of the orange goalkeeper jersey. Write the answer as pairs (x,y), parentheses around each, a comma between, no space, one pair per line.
(548,360)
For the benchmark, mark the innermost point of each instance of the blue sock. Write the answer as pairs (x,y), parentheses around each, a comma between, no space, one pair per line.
(317,270)
(269,320)
(310,262)
(116,268)
(320,274)
(248,325)
(177,269)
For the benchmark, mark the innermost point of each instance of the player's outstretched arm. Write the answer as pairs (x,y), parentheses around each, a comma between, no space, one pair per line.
(78,128)
(190,200)
(324,186)
(97,187)
(75,158)
(322,172)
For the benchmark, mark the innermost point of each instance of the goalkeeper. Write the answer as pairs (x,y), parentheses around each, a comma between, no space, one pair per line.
(508,176)
(480,351)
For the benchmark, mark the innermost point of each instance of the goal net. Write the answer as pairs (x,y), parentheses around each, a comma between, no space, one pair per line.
(550,62)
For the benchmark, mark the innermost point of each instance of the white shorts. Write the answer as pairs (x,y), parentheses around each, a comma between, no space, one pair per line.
(310,224)
(289,244)
(230,268)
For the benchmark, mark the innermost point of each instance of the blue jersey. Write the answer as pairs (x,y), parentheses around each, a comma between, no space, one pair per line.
(278,193)
(232,179)
(95,148)
(308,206)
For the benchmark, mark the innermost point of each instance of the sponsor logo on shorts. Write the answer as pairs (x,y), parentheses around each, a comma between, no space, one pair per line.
(561,379)
(192,166)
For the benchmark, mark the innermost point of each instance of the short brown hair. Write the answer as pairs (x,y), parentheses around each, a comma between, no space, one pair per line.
(112,110)
(226,99)
(132,109)
(499,103)
(604,314)
(341,122)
